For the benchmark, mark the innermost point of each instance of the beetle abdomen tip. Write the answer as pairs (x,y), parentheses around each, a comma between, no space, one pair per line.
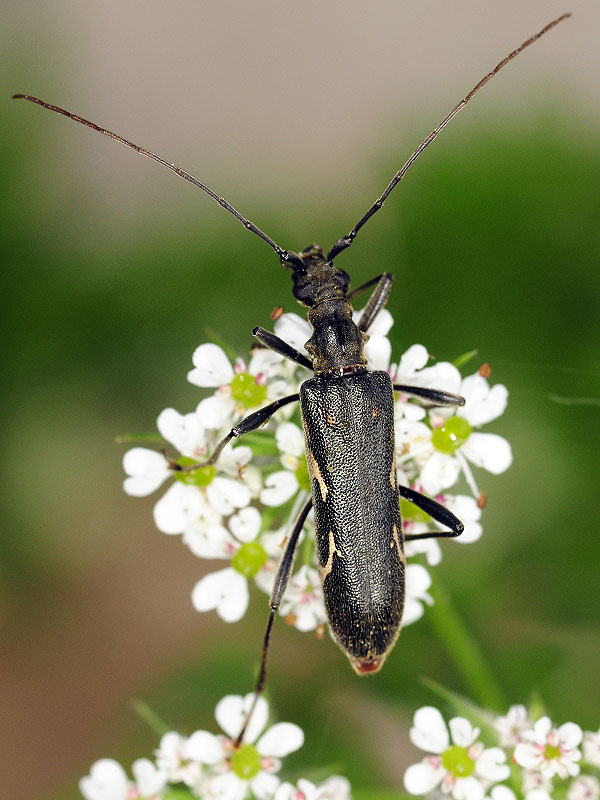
(365,666)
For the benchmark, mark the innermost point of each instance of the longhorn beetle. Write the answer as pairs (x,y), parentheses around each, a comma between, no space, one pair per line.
(347,414)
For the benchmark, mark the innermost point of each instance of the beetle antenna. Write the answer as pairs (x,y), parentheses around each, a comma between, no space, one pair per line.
(283,254)
(346,241)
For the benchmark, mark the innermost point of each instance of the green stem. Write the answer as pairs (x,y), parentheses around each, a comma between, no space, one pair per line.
(463,650)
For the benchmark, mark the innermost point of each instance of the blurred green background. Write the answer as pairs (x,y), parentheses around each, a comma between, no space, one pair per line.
(113,272)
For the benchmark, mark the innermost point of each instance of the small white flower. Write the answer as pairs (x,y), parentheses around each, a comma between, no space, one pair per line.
(146,470)
(551,751)
(418,581)
(591,748)
(282,486)
(458,761)
(586,787)
(184,759)
(226,591)
(512,726)
(108,781)
(303,600)
(252,766)
(455,442)
(333,788)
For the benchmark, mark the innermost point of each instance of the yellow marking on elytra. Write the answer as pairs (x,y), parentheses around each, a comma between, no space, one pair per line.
(375,412)
(333,551)
(331,419)
(396,539)
(393,475)
(316,473)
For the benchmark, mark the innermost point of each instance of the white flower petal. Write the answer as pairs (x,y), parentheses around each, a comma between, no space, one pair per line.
(280,740)
(429,731)
(149,780)
(462,732)
(440,472)
(525,755)
(502,793)
(570,735)
(264,785)
(209,540)
(482,403)
(333,788)
(378,352)
(491,765)
(412,360)
(146,469)
(294,330)
(212,367)
(228,787)
(468,789)
(225,495)
(226,591)
(245,525)
(442,375)
(279,487)
(423,778)
(231,713)
(264,362)
(204,747)
(107,781)
(215,412)
(290,439)
(179,507)
(184,431)
(488,450)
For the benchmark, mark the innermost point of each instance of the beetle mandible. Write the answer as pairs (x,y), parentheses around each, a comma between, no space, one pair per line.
(347,414)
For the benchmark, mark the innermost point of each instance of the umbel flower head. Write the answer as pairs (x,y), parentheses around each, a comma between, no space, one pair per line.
(212,765)
(240,509)
(546,760)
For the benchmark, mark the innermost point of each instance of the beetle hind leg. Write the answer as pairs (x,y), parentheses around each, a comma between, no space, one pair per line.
(436,511)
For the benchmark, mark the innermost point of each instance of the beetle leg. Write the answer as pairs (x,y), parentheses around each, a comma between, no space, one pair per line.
(249,423)
(281,581)
(436,511)
(377,300)
(436,397)
(279,346)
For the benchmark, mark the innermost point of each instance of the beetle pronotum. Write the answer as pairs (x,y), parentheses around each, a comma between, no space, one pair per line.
(347,414)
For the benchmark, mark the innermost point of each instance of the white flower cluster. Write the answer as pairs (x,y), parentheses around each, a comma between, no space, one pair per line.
(240,509)
(459,765)
(209,766)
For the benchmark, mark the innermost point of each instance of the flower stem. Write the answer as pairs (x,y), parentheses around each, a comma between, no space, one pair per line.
(463,650)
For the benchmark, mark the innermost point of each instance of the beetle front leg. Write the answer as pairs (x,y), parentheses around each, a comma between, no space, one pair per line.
(377,300)
(281,581)
(276,344)
(249,423)
(436,511)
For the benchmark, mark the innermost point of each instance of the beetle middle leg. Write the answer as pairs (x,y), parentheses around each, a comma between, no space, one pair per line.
(249,423)
(436,511)
(281,581)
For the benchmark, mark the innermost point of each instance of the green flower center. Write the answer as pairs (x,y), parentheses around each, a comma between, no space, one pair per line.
(457,761)
(410,511)
(302,475)
(245,390)
(452,435)
(247,561)
(203,476)
(551,752)
(245,762)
